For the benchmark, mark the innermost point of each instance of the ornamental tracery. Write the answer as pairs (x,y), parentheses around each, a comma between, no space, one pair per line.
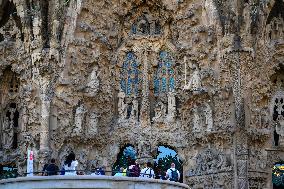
(146,25)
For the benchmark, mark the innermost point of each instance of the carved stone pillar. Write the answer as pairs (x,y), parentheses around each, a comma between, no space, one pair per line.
(145,110)
(44,138)
(44,149)
(240,138)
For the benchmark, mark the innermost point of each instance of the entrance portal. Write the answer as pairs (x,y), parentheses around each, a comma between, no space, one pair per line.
(126,153)
(165,156)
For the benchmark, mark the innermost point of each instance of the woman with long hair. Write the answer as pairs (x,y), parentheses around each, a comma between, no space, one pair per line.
(70,164)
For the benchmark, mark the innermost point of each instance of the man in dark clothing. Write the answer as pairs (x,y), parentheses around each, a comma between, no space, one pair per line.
(134,169)
(44,170)
(52,169)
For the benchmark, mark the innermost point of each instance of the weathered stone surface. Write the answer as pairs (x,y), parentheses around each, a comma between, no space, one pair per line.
(199,76)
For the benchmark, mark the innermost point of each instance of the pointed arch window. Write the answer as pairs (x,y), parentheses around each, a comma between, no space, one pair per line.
(130,75)
(164,80)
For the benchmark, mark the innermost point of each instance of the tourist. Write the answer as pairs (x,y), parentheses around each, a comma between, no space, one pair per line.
(70,164)
(147,172)
(52,168)
(100,171)
(120,173)
(172,173)
(134,169)
(44,173)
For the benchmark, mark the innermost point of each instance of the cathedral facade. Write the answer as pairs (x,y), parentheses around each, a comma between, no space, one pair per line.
(205,77)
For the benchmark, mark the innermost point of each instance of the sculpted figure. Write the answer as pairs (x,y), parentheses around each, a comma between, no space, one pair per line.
(7,133)
(171,106)
(79,118)
(134,110)
(196,119)
(208,117)
(92,86)
(160,112)
(122,106)
(93,123)
(194,83)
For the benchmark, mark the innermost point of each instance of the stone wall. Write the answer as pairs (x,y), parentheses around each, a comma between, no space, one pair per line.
(203,77)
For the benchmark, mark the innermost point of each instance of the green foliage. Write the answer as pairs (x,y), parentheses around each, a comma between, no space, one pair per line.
(165,163)
(277,176)
(8,174)
(122,158)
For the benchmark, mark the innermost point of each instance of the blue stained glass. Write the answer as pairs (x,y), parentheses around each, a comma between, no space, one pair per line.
(172,83)
(156,85)
(164,84)
(130,75)
(164,79)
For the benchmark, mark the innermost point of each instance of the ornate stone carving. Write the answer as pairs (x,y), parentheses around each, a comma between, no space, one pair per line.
(8,133)
(160,112)
(171,106)
(210,161)
(208,117)
(79,119)
(196,120)
(92,86)
(146,25)
(122,106)
(194,83)
(93,123)
(274,30)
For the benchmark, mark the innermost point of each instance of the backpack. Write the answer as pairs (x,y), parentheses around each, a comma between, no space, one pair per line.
(150,175)
(174,176)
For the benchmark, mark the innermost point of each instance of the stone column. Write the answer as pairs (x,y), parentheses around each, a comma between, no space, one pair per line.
(240,138)
(145,107)
(44,149)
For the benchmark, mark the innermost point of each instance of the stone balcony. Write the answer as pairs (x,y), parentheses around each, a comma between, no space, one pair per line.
(87,181)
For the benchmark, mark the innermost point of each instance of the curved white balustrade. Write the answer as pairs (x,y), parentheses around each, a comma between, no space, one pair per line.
(87,181)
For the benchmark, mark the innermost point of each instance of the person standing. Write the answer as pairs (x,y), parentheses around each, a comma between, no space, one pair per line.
(147,172)
(172,173)
(70,164)
(134,169)
(52,168)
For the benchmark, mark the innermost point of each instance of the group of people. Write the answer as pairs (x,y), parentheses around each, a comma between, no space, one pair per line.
(69,167)
(133,170)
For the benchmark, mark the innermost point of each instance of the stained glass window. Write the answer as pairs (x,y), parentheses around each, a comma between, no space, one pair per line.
(164,80)
(130,75)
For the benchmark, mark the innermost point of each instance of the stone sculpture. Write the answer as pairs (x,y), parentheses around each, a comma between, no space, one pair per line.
(171,106)
(194,83)
(134,109)
(160,112)
(208,117)
(196,120)
(79,119)
(93,123)
(92,86)
(122,106)
(8,133)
